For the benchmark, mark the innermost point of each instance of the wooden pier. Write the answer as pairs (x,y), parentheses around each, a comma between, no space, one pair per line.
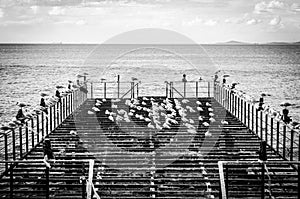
(229,169)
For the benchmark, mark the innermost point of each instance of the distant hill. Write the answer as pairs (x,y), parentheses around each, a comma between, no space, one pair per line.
(232,42)
(283,43)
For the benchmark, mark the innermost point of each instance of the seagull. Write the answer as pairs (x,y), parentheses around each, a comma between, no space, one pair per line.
(207,134)
(121,112)
(96,109)
(192,121)
(107,112)
(190,109)
(151,126)
(200,118)
(210,109)
(158,127)
(147,119)
(114,106)
(130,114)
(115,100)
(192,131)
(119,118)
(185,101)
(205,124)
(145,98)
(111,118)
(211,114)
(144,103)
(212,120)
(127,102)
(90,112)
(134,78)
(103,100)
(199,103)
(199,109)
(165,125)
(208,104)
(224,122)
(98,104)
(72,132)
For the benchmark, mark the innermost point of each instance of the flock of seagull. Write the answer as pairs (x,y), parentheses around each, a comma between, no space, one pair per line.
(159,115)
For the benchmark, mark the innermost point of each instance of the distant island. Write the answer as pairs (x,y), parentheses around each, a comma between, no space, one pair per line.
(233,42)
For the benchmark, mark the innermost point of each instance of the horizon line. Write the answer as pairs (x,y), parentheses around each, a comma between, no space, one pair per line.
(231,42)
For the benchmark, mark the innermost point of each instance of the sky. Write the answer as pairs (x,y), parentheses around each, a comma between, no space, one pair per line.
(95,21)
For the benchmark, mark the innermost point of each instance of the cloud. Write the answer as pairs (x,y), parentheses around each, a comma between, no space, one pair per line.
(196,21)
(74,22)
(253,21)
(295,7)
(34,9)
(1,13)
(275,21)
(268,7)
(210,22)
(56,11)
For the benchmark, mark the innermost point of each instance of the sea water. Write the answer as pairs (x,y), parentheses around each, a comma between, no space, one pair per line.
(26,70)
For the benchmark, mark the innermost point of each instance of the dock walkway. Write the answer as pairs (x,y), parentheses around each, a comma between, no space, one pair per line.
(194,174)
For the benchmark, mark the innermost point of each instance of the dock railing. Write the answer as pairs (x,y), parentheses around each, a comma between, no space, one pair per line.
(257,178)
(45,178)
(17,142)
(281,137)
(133,89)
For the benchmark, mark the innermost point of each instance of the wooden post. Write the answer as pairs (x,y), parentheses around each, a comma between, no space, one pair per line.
(208,89)
(11,182)
(252,117)
(50,118)
(61,111)
(104,91)
(92,90)
(248,115)
(184,89)
(284,140)
(242,110)
(292,146)
(266,128)
(197,89)
(32,139)
(118,81)
(38,128)
(261,124)
(238,104)
(20,141)
(245,113)
(272,130)
(256,122)
(13,143)
(277,137)
(42,120)
(234,111)
(26,138)
(47,183)
(167,90)
(262,180)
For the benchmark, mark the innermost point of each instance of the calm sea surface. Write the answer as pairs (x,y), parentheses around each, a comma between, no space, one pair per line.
(27,70)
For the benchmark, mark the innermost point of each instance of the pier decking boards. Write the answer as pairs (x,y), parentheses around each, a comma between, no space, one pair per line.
(191,175)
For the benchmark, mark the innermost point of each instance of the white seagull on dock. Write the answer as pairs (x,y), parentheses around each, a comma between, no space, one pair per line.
(208,134)
(199,109)
(224,122)
(199,103)
(205,124)
(96,109)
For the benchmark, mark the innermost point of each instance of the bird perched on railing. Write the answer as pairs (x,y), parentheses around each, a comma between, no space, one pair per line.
(134,79)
